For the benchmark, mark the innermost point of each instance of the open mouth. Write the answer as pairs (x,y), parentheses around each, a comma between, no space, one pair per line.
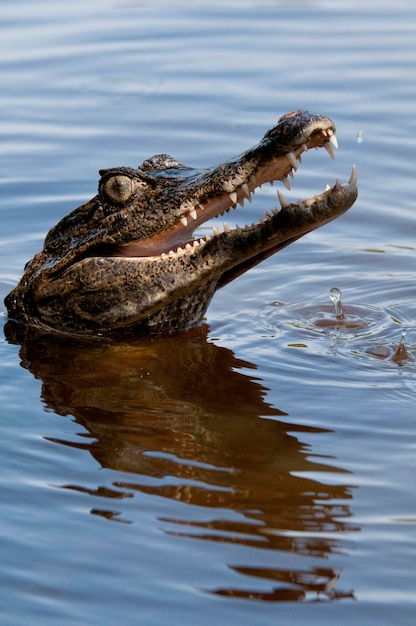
(238,187)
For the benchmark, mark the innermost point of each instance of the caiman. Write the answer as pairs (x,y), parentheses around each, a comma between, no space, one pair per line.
(127,260)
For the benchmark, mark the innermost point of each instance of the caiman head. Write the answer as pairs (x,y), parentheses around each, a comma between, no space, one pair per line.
(127,260)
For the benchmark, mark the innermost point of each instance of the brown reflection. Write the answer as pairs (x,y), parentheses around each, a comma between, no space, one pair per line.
(187,420)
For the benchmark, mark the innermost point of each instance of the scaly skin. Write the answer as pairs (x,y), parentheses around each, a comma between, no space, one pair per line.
(127,261)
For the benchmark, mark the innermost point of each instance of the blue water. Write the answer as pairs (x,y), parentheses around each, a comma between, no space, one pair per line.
(262,469)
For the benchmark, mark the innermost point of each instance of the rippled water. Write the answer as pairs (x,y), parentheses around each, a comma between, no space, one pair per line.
(260,469)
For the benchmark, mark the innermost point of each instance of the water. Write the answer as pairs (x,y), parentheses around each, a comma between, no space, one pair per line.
(260,469)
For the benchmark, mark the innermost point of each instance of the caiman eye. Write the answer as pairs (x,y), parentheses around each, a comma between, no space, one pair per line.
(118,189)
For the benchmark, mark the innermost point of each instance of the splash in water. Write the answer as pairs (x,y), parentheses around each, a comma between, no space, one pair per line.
(401,355)
(335,295)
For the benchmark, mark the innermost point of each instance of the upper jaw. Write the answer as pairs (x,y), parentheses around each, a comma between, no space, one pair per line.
(269,161)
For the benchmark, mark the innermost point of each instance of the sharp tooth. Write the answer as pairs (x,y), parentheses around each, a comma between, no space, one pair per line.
(253,178)
(226,228)
(275,211)
(196,243)
(184,221)
(267,214)
(171,253)
(304,147)
(327,188)
(353,177)
(292,160)
(241,202)
(337,184)
(193,214)
(215,231)
(286,183)
(188,246)
(233,197)
(207,238)
(249,198)
(283,202)
(329,149)
(200,206)
(291,174)
(163,255)
(179,250)
(245,189)
(334,141)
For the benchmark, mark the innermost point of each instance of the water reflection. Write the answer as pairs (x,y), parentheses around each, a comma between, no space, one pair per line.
(189,421)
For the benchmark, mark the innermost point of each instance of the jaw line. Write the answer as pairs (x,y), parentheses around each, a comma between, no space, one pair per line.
(288,224)
(198,210)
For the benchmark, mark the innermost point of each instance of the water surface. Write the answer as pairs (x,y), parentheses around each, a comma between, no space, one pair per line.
(260,468)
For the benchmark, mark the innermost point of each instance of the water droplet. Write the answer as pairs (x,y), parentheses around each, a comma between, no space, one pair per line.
(335,295)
